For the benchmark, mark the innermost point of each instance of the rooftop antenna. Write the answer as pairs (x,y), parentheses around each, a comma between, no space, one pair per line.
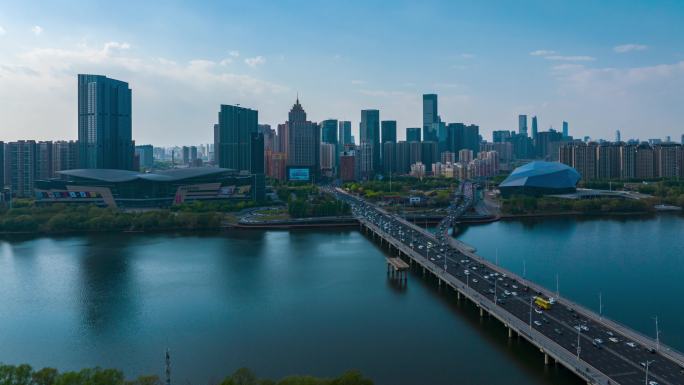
(168,367)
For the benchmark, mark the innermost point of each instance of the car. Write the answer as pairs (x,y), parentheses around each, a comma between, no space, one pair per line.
(610,333)
(546,320)
(420,247)
(490,291)
(475,280)
(506,292)
(514,293)
(598,340)
(631,344)
(552,300)
(537,323)
(596,344)
(432,259)
(651,382)
(514,286)
(538,311)
(558,331)
(613,339)
(584,328)
(466,272)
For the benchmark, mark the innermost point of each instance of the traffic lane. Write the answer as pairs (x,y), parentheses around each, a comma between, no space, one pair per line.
(479,286)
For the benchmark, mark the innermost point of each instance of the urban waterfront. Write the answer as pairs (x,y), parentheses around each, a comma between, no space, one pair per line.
(315,302)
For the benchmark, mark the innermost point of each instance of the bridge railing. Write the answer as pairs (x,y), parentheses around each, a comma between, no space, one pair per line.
(556,351)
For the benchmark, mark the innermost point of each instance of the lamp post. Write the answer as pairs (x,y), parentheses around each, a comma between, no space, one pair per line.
(648,363)
(579,335)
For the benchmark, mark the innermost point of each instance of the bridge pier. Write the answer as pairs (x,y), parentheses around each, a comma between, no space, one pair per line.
(458,295)
(546,359)
(481,312)
(510,332)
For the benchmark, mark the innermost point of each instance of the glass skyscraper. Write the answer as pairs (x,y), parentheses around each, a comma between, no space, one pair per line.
(345,136)
(388,128)
(236,129)
(370,133)
(329,131)
(430,117)
(522,124)
(104,123)
(413,134)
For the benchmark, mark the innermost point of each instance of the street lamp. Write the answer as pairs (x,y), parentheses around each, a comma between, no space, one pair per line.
(648,363)
(530,312)
(657,333)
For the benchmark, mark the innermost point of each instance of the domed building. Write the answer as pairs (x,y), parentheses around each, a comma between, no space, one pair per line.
(540,178)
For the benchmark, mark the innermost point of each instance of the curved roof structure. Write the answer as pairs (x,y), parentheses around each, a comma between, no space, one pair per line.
(542,175)
(117,176)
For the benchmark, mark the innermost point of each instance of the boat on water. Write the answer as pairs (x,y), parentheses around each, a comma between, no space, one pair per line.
(663,207)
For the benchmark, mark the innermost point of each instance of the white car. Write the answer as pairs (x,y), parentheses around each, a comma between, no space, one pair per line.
(475,280)
(466,272)
(514,293)
(631,344)
(537,323)
(538,311)
(584,327)
(613,339)
(506,292)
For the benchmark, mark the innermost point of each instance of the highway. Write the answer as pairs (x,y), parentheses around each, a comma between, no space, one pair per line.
(598,350)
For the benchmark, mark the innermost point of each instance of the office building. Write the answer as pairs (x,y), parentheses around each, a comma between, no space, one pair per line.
(365,157)
(44,159)
(104,123)
(233,146)
(534,128)
(2,168)
(644,161)
(388,130)
(522,125)
(608,158)
(429,153)
(430,116)
(370,134)
(389,157)
(327,152)
(566,130)
(345,136)
(329,131)
(403,160)
(303,140)
(501,136)
(146,154)
(348,166)
(413,134)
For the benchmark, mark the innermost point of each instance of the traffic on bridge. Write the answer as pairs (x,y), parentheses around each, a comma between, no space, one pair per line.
(598,350)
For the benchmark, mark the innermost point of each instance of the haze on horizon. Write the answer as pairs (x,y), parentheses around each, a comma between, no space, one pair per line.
(601,67)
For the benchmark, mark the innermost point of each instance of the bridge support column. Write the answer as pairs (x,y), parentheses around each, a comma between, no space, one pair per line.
(510,332)
(458,295)
(546,359)
(481,312)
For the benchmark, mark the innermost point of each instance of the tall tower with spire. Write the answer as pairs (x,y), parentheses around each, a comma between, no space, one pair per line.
(304,140)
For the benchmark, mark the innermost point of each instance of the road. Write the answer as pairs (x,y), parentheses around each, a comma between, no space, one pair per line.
(619,355)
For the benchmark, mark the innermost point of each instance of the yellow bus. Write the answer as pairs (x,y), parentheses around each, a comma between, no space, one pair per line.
(542,303)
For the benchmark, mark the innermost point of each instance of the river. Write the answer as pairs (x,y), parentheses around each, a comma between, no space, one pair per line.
(316,302)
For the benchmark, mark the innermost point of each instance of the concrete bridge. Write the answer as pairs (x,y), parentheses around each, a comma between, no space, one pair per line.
(598,350)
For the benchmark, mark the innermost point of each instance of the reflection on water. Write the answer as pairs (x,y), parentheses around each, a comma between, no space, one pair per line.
(318,302)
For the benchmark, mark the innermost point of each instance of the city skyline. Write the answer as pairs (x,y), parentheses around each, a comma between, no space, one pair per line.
(627,80)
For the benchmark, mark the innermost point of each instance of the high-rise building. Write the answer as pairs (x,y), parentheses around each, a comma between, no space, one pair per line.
(329,131)
(430,116)
(608,158)
(370,133)
(104,123)
(522,125)
(429,153)
(668,156)
(644,161)
(388,130)
(534,128)
(618,137)
(389,157)
(348,166)
(20,167)
(415,152)
(365,157)
(234,141)
(543,143)
(501,136)
(304,140)
(328,156)
(628,161)
(44,158)
(345,136)
(413,134)
(566,132)
(145,152)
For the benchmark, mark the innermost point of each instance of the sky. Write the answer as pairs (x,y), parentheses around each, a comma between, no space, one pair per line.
(600,65)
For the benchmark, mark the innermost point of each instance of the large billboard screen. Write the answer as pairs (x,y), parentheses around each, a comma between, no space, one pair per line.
(298,174)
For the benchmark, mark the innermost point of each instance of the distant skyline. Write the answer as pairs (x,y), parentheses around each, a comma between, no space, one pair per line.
(613,65)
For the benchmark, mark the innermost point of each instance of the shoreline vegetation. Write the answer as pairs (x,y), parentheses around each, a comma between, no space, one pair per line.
(26,375)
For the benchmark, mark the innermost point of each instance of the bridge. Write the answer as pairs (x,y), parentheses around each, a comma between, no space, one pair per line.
(598,350)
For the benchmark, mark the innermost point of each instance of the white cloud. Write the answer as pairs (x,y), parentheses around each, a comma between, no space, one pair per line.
(467,56)
(542,52)
(255,61)
(234,53)
(624,48)
(569,58)
(226,61)
(2,31)
(358,82)
(37,30)
(168,95)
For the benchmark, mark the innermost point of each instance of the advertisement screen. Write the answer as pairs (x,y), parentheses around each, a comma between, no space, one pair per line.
(298,174)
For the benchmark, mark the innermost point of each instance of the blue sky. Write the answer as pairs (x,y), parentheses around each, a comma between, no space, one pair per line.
(601,65)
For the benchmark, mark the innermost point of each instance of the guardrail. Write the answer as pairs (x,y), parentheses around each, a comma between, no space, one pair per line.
(545,344)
